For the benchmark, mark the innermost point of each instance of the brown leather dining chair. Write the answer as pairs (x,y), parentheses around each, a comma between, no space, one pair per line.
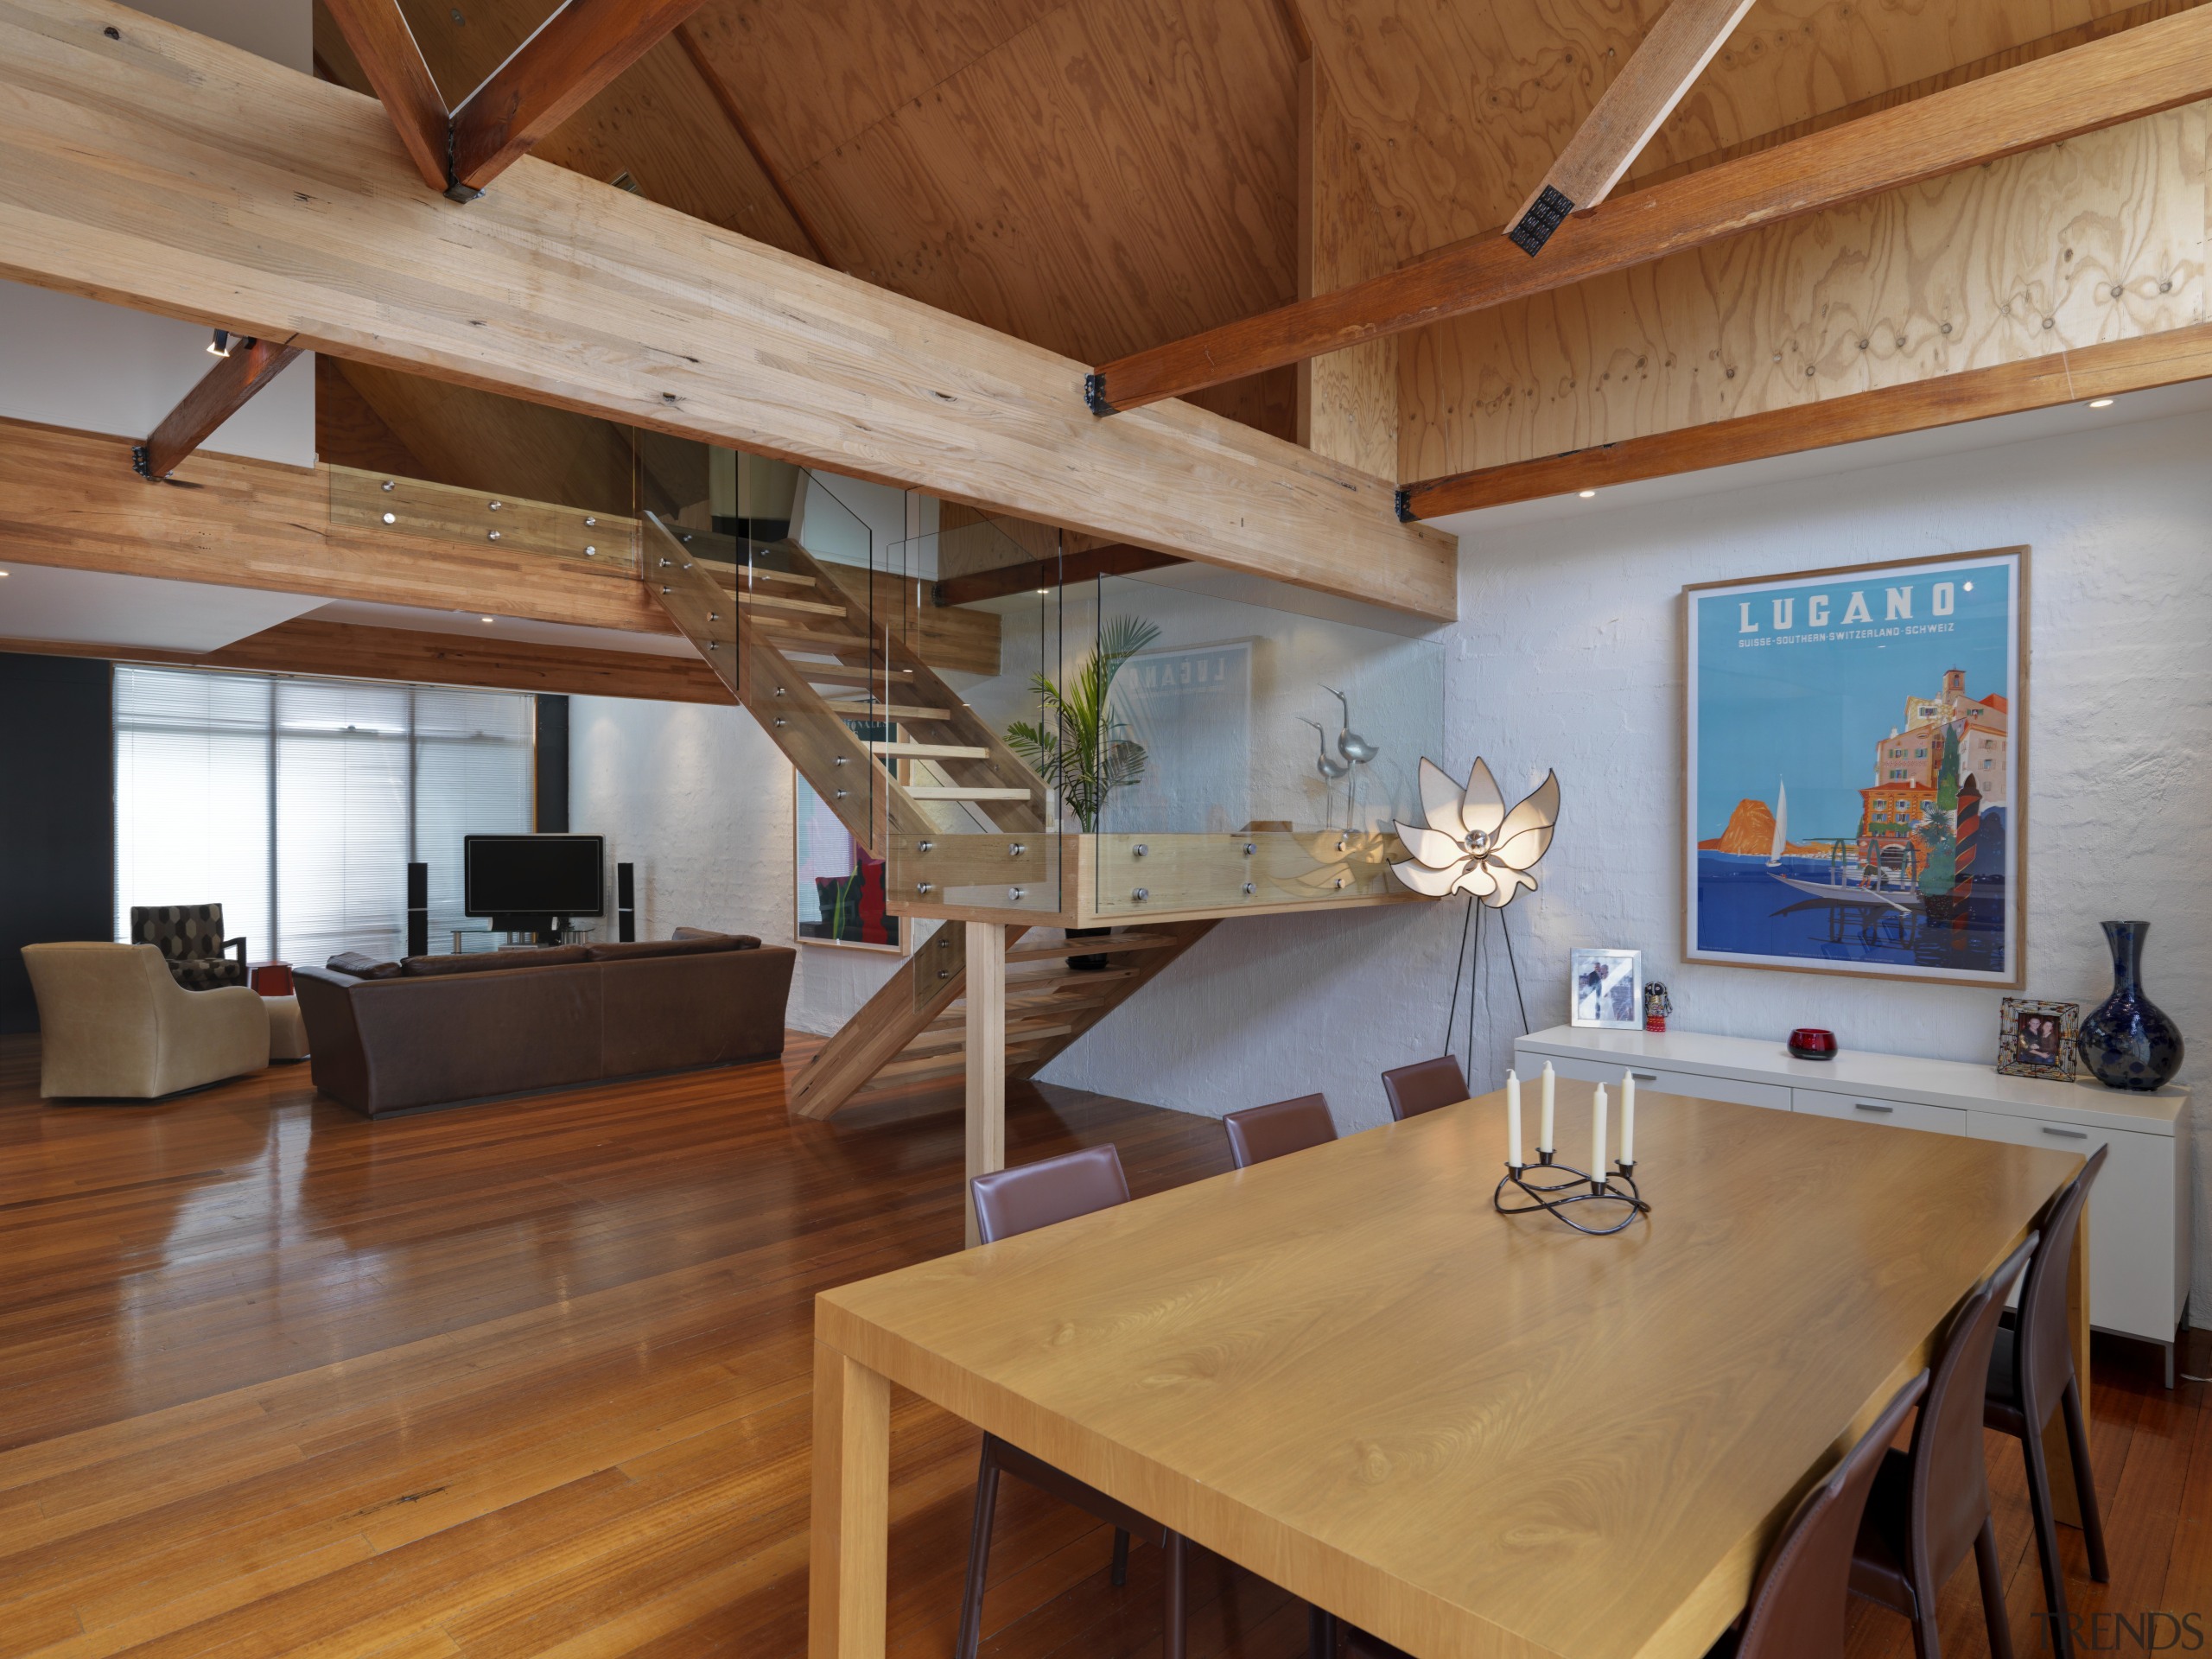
(2031,1376)
(1929,1506)
(1424,1086)
(1797,1606)
(1259,1133)
(1014,1201)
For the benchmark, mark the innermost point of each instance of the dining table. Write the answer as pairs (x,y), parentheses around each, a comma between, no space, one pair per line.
(1474,1434)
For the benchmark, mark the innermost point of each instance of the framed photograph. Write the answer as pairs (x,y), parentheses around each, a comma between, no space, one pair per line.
(1855,748)
(2036,1040)
(1605,988)
(837,889)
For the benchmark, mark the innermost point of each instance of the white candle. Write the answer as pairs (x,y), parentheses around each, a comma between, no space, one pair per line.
(1544,1142)
(1598,1134)
(1513,1120)
(1628,1117)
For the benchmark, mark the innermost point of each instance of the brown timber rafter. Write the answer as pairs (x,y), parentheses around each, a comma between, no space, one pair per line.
(2157,66)
(248,366)
(574,54)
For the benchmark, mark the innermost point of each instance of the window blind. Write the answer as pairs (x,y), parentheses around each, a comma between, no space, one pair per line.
(297,804)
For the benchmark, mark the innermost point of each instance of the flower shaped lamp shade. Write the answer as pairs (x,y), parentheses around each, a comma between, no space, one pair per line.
(1472,842)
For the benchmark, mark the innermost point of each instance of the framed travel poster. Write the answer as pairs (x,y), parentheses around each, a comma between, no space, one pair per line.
(1856,749)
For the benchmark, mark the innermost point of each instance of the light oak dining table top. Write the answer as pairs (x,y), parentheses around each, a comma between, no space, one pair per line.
(1470,1433)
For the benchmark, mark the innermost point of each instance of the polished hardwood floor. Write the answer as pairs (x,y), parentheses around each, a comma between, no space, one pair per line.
(532,1378)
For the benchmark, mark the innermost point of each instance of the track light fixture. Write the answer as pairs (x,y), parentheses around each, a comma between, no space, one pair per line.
(221,345)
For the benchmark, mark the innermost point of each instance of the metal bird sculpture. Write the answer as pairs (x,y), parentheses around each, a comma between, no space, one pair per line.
(1327,764)
(1349,744)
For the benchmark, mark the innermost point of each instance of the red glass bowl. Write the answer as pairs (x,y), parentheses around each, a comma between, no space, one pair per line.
(1811,1043)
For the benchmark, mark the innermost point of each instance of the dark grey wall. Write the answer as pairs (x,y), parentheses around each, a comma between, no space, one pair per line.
(57,814)
(552,805)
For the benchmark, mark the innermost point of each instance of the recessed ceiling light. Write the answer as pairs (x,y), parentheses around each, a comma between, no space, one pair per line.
(484,618)
(2100,402)
(3,572)
(1585,494)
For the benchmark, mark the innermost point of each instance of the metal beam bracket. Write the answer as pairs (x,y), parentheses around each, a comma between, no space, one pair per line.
(1546,214)
(1094,395)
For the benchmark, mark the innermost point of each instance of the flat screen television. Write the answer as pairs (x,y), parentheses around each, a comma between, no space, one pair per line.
(525,881)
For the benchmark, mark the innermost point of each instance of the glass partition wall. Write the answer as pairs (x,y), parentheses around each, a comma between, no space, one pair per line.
(1217,753)
(977,736)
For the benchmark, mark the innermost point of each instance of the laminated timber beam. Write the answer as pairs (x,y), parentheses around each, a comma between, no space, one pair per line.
(307,645)
(168,171)
(2157,66)
(2108,369)
(69,499)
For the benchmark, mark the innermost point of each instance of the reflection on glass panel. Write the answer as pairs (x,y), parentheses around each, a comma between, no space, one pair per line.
(975,822)
(839,892)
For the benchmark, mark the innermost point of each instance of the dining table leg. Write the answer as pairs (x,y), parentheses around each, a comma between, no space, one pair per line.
(851,1521)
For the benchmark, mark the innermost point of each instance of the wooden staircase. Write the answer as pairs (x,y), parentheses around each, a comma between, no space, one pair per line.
(912,1032)
(810,665)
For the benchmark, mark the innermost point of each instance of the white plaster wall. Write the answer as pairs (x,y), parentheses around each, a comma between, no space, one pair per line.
(99,368)
(1569,656)
(698,798)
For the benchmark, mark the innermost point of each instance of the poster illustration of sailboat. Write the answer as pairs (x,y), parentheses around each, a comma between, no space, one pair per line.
(1893,698)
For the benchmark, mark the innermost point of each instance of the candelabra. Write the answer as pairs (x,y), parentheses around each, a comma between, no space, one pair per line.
(1573,1187)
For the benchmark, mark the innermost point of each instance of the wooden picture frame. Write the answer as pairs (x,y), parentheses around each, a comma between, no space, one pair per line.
(1891,701)
(2037,1040)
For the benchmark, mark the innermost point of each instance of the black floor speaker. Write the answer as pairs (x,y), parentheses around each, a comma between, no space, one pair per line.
(418,910)
(626,902)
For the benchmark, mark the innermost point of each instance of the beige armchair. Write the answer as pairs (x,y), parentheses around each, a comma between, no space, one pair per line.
(114,1024)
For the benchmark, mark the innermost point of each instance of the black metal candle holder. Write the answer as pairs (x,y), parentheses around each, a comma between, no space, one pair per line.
(1575,1187)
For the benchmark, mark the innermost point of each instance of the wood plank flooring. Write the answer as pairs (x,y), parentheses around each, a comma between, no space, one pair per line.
(531,1379)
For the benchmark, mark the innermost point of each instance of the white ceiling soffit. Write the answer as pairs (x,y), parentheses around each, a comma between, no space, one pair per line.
(2164,401)
(91,608)
(359,614)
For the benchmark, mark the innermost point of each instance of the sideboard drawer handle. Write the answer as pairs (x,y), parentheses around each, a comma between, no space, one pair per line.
(1869,1106)
(1645,1076)
(2066,1135)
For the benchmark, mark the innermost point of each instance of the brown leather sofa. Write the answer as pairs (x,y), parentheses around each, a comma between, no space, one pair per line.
(442,1031)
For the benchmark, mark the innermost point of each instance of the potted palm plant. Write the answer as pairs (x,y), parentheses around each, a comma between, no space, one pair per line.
(1078,746)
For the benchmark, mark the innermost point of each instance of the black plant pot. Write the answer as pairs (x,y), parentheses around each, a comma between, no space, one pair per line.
(1088,964)
(2129,1043)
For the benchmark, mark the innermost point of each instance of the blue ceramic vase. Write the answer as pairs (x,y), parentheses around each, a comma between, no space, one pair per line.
(2127,1043)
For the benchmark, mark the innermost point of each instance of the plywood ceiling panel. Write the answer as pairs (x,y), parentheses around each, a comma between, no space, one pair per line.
(1117,170)
(1457,109)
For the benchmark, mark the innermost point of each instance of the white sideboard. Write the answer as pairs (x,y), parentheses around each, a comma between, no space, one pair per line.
(2139,1210)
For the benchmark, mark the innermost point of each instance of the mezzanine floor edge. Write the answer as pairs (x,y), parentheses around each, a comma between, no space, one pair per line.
(532,1378)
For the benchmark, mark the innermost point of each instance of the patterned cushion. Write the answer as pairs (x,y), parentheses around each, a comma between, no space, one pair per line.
(181,932)
(209,974)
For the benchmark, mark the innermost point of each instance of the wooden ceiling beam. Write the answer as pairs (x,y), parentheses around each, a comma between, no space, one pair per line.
(2109,369)
(1661,69)
(2157,66)
(1116,560)
(68,499)
(248,366)
(345,651)
(170,172)
(384,46)
(575,52)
